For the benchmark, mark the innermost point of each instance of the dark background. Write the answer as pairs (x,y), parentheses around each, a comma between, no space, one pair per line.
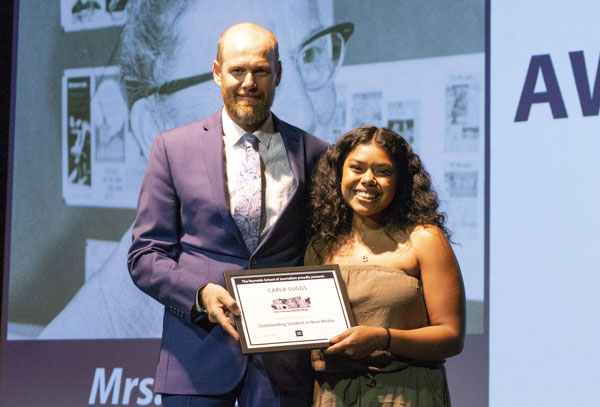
(6,44)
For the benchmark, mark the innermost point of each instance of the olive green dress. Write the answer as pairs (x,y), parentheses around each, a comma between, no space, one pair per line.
(385,297)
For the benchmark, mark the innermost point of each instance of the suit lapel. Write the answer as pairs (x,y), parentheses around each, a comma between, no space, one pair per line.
(211,144)
(294,146)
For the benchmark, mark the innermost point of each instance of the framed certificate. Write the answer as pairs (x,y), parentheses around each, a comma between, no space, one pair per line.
(289,308)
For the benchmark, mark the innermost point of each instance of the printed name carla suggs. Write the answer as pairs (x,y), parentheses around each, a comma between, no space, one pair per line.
(121,390)
(286,289)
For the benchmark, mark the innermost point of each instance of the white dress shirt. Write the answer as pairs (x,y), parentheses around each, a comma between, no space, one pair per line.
(279,182)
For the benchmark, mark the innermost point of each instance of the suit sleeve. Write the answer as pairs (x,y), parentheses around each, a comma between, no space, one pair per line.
(153,256)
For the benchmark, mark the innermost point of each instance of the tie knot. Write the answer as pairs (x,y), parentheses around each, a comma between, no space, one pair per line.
(250,139)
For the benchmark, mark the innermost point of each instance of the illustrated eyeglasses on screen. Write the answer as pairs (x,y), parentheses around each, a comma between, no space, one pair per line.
(318,58)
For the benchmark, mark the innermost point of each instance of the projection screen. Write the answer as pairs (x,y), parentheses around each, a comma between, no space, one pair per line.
(74,327)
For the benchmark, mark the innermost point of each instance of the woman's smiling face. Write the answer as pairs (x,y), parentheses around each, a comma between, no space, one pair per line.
(368,180)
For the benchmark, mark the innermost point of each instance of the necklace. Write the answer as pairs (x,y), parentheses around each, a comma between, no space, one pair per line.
(365,258)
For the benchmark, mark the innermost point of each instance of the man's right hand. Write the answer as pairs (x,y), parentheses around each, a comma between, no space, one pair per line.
(220,307)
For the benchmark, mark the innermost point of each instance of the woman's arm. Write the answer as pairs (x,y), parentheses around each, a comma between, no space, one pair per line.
(445,300)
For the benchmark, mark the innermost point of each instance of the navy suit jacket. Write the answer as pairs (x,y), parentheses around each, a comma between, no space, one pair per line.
(184,236)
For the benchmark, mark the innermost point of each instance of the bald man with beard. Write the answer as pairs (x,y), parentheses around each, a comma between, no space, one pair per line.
(185,235)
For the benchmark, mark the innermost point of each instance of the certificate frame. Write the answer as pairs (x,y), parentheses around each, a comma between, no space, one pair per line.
(289,308)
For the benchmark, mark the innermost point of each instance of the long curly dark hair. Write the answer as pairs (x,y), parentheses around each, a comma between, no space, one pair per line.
(414,203)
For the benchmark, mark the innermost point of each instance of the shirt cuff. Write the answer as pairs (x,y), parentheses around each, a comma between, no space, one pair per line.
(198,306)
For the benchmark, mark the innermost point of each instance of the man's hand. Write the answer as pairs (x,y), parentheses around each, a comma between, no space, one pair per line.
(220,307)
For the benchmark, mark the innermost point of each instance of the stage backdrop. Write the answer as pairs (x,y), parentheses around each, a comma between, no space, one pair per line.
(75,331)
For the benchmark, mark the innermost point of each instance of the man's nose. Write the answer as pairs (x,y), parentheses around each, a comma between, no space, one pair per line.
(249,82)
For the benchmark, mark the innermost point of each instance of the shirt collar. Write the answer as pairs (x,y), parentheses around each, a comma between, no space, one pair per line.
(233,133)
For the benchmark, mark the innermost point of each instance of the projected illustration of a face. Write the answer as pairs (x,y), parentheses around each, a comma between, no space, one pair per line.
(305,97)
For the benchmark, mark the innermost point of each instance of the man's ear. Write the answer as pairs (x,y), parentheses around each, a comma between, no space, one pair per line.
(216,68)
(143,124)
(278,74)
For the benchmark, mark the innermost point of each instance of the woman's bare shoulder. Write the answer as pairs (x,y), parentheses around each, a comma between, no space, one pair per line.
(428,237)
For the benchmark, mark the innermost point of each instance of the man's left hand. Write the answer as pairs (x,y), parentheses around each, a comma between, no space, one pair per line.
(220,307)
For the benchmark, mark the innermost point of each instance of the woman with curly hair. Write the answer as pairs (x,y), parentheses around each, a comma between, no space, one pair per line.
(376,215)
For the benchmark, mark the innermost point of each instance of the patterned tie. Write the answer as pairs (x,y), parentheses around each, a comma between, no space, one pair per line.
(249,194)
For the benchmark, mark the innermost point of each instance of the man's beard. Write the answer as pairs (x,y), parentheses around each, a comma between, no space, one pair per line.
(247,114)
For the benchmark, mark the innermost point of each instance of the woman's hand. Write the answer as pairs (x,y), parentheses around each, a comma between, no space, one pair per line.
(358,342)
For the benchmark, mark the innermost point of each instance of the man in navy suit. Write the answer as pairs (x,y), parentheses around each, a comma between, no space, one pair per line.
(185,236)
